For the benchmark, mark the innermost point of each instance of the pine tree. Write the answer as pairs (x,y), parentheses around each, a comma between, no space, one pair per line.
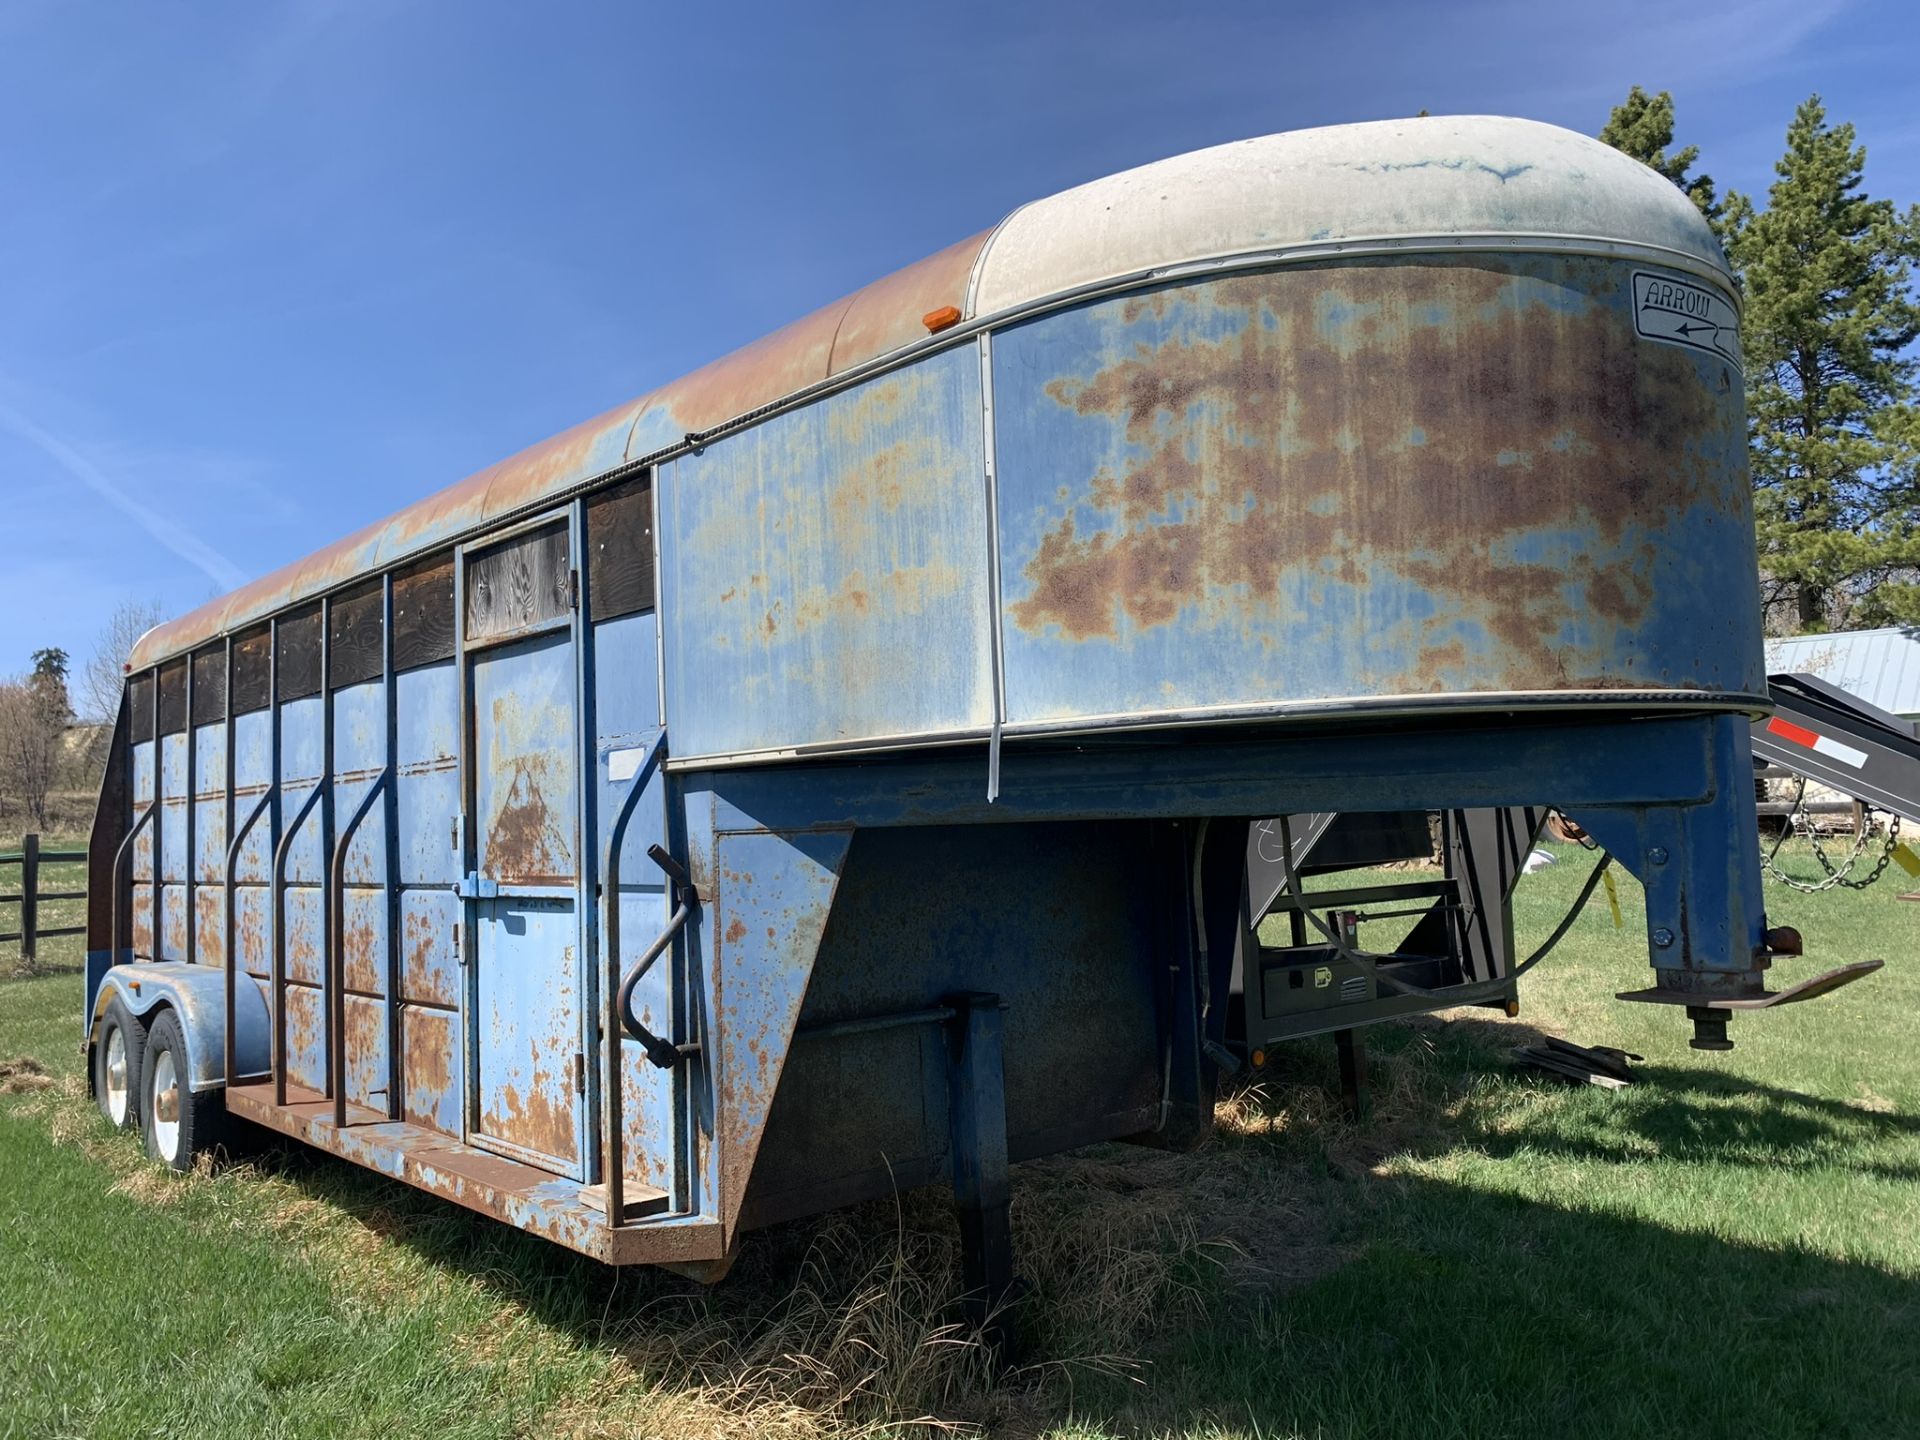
(1642,126)
(1834,432)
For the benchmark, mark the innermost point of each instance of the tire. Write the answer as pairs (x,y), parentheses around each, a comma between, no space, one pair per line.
(178,1124)
(117,1056)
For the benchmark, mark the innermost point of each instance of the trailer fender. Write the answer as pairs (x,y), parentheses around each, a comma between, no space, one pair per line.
(198,995)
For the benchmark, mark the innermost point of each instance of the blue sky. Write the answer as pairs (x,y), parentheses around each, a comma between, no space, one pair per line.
(269,271)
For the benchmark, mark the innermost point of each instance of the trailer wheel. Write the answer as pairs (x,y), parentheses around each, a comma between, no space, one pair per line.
(179,1123)
(117,1054)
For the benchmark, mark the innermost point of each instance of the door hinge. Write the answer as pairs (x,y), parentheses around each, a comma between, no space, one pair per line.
(573,589)
(579,1073)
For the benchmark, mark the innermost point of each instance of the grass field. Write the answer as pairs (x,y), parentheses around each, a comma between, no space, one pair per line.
(1729,1248)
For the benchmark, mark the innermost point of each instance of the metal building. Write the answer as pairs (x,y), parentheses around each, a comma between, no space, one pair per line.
(834,770)
(1881,667)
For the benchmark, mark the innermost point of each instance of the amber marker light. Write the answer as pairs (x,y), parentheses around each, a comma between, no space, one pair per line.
(941,319)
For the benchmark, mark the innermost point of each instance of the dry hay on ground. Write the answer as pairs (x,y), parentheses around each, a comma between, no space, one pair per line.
(22,1074)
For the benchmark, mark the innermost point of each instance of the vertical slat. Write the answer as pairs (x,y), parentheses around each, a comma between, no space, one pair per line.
(336,960)
(159,823)
(390,824)
(277,961)
(29,898)
(329,941)
(463,770)
(977,1125)
(229,1045)
(193,805)
(659,643)
(996,640)
(587,852)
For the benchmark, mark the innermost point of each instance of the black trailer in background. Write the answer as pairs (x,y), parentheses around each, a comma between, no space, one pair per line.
(1832,737)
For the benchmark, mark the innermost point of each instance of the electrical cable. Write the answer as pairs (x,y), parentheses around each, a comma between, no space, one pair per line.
(1458,994)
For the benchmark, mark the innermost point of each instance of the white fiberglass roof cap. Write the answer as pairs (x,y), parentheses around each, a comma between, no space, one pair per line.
(1431,178)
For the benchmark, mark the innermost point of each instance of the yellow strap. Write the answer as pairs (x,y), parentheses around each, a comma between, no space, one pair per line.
(1906,859)
(1613,894)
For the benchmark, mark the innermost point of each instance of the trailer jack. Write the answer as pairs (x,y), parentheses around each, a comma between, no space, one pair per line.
(1709,1015)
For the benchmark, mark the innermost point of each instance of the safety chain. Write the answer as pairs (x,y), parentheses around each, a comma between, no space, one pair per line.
(1834,877)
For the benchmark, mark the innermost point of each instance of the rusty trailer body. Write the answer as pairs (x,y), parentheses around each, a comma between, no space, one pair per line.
(833,771)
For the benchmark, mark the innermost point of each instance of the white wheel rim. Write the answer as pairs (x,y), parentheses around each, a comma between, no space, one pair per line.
(164,1113)
(117,1075)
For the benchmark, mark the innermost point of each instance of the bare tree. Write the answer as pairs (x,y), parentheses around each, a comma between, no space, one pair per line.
(33,719)
(98,694)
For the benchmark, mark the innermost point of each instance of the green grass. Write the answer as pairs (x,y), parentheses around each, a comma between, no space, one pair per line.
(1730,1247)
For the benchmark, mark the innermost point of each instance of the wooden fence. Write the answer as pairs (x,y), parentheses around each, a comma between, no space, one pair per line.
(30,897)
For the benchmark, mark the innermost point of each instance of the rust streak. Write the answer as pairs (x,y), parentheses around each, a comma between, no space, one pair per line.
(1407,419)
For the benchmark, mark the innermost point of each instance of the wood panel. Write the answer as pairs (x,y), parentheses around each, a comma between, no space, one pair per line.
(620,549)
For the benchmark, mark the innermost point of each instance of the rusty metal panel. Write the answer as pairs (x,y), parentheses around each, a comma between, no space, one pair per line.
(253,929)
(173,922)
(428,774)
(141,926)
(359,754)
(627,711)
(774,893)
(528,993)
(825,575)
(529,1062)
(252,774)
(648,1093)
(431,1048)
(210,924)
(366,1038)
(306,1037)
(142,763)
(301,738)
(173,808)
(647,1154)
(210,802)
(1413,478)
(526,788)
(364,914)
(306,933)
(429,967)
(626,686)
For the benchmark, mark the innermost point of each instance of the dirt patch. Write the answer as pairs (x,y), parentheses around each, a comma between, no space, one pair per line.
(22,1074)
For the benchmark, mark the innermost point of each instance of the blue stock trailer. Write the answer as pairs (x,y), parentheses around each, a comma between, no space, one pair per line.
(839,769)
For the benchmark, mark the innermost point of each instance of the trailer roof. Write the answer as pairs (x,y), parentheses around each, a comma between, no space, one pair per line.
(1428,182)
